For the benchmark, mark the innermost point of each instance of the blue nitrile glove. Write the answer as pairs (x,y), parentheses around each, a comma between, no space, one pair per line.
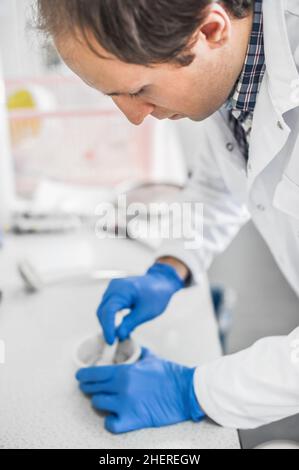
(152,392)
(146,296)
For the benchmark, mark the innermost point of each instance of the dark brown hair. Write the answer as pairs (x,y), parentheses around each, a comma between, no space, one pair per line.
(143,32)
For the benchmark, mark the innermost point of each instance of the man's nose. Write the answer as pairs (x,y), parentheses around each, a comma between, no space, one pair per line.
(134,109)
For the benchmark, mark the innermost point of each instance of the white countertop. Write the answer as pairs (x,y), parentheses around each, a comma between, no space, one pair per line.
(40,404)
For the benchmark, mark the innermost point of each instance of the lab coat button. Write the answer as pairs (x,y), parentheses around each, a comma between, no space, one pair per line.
(230,146)
(280,125)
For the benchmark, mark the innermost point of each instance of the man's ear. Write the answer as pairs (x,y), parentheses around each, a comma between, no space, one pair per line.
(215,29)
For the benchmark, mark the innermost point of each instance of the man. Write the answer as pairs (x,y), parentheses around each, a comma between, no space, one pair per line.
(233,64)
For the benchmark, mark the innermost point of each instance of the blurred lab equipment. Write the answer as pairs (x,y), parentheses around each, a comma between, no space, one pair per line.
(35,281)
(39,217)
(27,221)
(150,192)
(51,210)
(154,202)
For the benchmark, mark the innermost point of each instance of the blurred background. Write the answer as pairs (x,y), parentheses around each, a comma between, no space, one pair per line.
(94,150)
(94,146)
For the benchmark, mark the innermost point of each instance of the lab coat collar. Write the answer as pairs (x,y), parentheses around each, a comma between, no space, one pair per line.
(280,64)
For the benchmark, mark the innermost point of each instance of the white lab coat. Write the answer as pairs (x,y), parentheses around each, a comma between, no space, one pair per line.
(260,384)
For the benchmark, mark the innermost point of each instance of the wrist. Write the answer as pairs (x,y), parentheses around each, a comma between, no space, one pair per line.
(196,413)
(169,272)
(181,269)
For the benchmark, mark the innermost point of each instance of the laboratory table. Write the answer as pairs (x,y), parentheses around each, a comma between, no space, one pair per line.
(40,403)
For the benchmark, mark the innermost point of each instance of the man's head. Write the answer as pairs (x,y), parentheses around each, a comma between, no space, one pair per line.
(167,58)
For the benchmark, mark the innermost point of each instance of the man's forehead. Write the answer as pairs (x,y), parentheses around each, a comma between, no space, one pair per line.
(106,73)
(95,70)
(76,42)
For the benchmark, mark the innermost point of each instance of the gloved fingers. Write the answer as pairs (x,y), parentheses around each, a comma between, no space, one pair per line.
(96,374)
(146,353)
(129,323)
(106,314)
(117,425)
(112,423)
(94,388)
(115,286)
(105,402)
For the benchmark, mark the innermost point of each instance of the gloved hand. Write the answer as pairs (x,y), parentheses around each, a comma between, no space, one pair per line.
(147,296)
(150,393)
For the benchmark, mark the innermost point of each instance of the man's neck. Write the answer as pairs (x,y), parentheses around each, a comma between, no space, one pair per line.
(242,30)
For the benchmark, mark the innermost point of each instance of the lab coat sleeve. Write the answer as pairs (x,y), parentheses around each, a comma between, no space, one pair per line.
(223,213)
(254,387)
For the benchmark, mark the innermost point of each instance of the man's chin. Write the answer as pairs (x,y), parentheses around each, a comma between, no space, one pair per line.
(202,117)
(177,117)
(197,118)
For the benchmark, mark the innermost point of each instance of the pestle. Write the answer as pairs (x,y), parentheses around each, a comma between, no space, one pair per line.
(109,351)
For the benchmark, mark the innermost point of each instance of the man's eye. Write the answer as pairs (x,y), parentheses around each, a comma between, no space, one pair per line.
(135,95)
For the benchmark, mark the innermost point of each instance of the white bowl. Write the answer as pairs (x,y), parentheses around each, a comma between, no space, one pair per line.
(94,351)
